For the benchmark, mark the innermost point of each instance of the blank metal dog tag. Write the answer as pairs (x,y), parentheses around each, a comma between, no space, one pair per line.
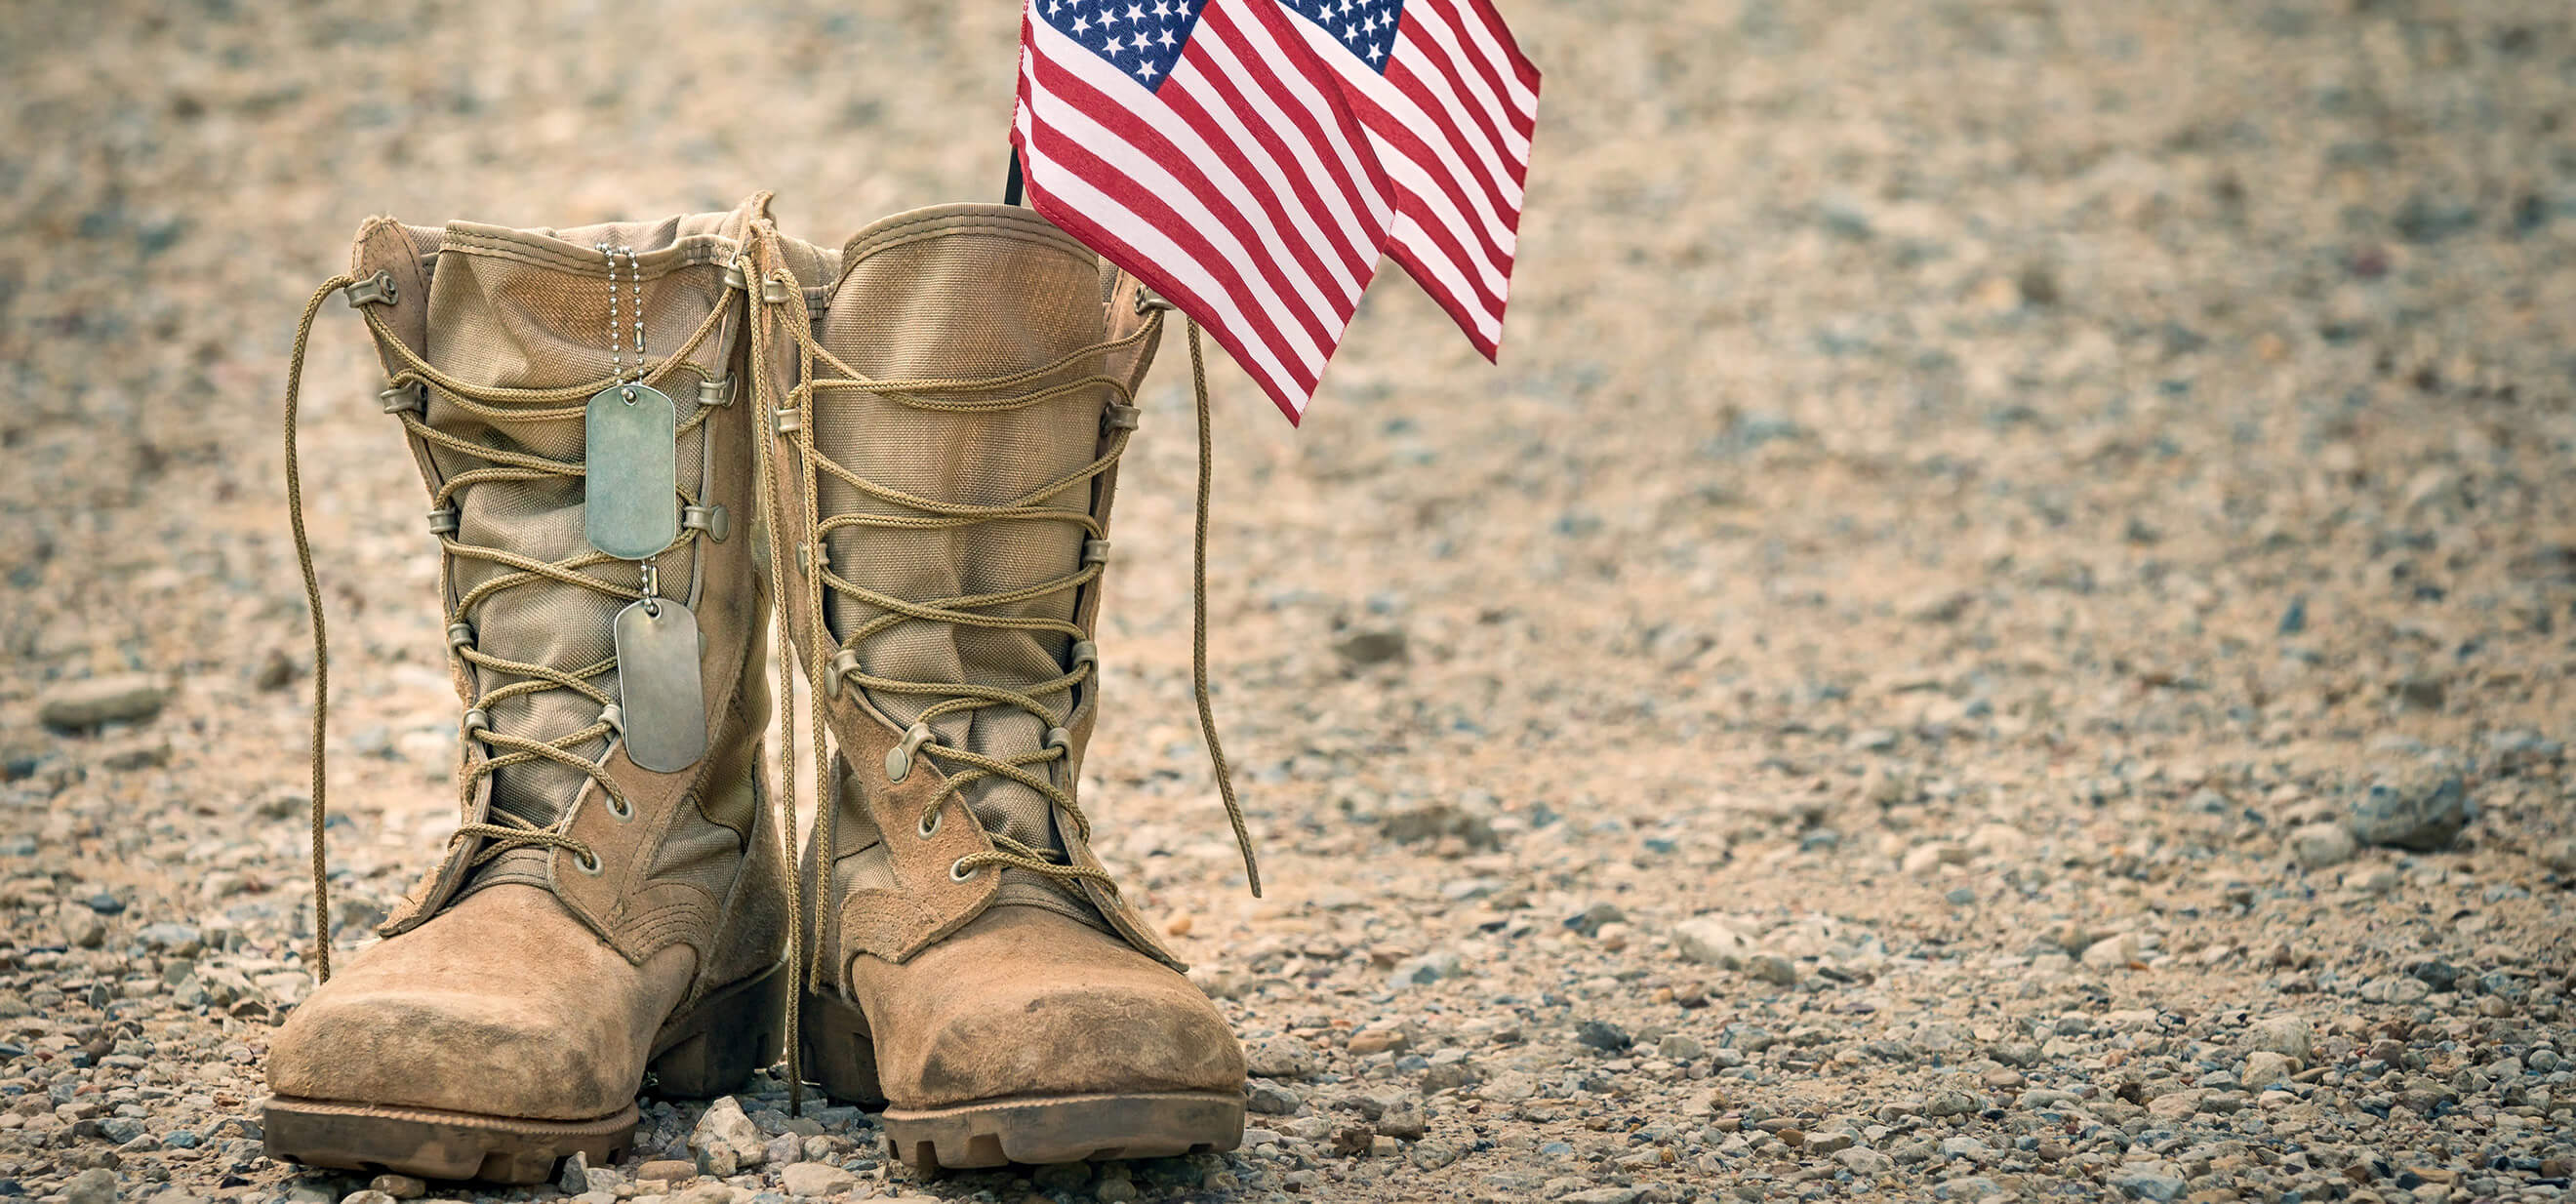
(657,685)
(630,503)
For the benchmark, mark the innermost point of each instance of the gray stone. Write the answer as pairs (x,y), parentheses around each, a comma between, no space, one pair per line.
(1370,646)
(97,1185)
(2395,988)
(402,1187)
(122,697)
(1433,1155)
(1952,1103)
(1601,1034)
(573,1178)
(1603,1195)
(369,1196)
(2422,806)
(1772,968)
(2157,1181)
(783,1149)
(2317,846)
(1449,1075)
(1428,968)
(1271,1099)
(1865,1163)
(1965,1147)
(1404,1120)
(1279,1058)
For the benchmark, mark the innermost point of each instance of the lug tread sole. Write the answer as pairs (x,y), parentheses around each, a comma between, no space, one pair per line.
(1073,1128)
(429,1143)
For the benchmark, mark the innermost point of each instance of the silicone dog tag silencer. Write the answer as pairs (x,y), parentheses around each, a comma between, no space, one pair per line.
(630,503)
(657,685)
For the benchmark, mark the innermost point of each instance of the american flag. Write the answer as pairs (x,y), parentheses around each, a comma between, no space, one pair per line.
(1449,104)
(1199,145)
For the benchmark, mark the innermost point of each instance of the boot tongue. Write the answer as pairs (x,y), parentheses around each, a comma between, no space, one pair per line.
(964,299)
(538,319)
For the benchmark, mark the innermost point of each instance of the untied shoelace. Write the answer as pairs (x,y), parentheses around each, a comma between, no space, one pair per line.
(923,393)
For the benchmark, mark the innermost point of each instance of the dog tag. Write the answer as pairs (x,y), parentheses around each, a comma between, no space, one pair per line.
(657,685)
(631,486)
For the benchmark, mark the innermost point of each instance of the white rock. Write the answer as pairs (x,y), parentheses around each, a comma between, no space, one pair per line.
(2115,952)
(2284,1035)
(724,1135)
(1930,855)
(1711,941)
(816,1179)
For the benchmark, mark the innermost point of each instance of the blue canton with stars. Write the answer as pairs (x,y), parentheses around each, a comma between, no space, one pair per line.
(1366,28)
(1142,38)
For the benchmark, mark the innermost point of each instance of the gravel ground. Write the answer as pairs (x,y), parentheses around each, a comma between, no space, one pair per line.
(2005,629)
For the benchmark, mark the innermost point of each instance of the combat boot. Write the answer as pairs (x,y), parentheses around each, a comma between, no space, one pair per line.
(945,436)
(614,898)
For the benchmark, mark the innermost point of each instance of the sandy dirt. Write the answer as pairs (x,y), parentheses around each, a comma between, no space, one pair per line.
(2003,629)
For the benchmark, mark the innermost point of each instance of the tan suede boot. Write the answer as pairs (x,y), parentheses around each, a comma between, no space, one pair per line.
(593,917)
(945,440)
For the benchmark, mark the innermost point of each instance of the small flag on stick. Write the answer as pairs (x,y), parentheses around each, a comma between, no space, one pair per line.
(1201,146)
(1449,104)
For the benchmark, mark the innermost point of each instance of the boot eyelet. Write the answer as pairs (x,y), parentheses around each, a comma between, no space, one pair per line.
(898,759)
(587,863)
(620,808)
(929,825)
(957,871)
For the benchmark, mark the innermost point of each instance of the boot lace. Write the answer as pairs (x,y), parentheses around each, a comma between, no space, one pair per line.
(498,406)
(844,669)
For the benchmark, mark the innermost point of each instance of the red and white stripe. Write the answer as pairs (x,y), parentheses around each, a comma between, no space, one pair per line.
(1242,190)
(1450,120)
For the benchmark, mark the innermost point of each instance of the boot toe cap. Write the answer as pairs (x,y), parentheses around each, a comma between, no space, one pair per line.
(424,1047)
(1110,1033)
(1024,1003)
(504,1005)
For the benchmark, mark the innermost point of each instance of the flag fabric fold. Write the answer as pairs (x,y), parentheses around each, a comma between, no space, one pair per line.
(1450,104)
(1252,160)
(1199,146)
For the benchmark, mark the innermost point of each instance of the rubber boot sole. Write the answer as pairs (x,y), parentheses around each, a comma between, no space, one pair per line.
(707,1051)
(1033,1130)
